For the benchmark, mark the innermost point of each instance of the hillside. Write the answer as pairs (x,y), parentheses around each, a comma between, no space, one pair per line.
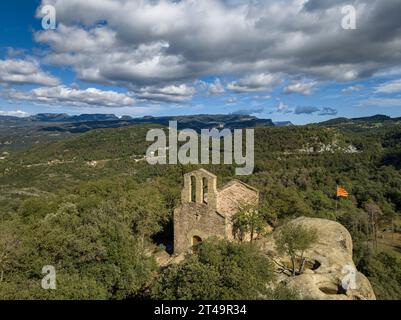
(86,122)
(94,181)
(360,124)
(23,133)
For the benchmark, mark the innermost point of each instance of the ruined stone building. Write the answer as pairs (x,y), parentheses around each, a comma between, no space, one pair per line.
(206,211)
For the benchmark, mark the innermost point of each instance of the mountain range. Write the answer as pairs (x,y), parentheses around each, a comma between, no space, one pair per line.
(62,122)
(86,122)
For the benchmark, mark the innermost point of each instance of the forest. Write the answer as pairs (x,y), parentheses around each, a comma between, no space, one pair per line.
(89,206)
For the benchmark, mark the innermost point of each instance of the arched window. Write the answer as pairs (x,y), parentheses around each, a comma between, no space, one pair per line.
(205,189)
(196,241)
(193,189)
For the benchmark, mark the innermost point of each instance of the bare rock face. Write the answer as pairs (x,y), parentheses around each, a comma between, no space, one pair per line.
(330,273)
(162,258)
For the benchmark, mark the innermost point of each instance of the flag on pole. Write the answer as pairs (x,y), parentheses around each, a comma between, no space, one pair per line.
(341,192)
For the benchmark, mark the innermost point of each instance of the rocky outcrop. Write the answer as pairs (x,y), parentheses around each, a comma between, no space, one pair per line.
(330,273)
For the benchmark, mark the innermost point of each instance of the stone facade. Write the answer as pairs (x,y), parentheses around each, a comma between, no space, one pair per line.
(206,211)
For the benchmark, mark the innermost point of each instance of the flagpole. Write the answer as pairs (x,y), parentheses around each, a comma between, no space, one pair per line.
(336,200)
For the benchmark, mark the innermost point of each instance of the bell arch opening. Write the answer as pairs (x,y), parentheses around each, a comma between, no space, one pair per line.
(193,189)
(205,190)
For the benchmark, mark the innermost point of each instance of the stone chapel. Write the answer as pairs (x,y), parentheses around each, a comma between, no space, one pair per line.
(206,211)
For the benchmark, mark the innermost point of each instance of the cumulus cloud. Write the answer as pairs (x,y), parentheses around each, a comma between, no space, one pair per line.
(254,83)
(173,93)
(71,96)
(98,55)
(16,113)
(152,42)
(216,87)
(328,112)
(301,87)
(306,110)
(18,71)
(389,87)
(283,108)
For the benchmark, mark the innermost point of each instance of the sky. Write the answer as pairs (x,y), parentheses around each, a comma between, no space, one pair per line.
(287,60)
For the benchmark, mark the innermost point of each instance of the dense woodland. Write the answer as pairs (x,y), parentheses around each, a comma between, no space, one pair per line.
(98,223)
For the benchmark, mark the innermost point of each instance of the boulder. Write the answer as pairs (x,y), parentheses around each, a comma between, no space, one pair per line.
(330,273)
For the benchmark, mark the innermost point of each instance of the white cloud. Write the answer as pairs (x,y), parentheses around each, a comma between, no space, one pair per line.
(301,87)
(17,71)
(97,55)
(265,97)
(72,96)
(327,111)
(16,113)
(283,108)
(216,87)
(173,93)
(232,100)
(389,87)
(254,83)
(146,43)
(352,89)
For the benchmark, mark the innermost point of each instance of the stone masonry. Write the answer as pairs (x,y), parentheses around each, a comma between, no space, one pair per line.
(206,211)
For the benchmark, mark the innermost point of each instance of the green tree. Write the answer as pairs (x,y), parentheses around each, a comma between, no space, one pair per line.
(293,240)
(222,270)
(383,271)
(248,220)
(375,216)
(95,253)
(144,209)
(9,242)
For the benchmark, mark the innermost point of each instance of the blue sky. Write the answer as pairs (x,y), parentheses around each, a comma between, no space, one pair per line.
(286,60)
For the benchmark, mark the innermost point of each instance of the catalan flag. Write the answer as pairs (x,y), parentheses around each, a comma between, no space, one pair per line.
(341,192)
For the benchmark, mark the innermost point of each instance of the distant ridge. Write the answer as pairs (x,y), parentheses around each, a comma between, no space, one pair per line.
(283,123)
(376,119)
(63,117)
(86,122)
(61,122)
